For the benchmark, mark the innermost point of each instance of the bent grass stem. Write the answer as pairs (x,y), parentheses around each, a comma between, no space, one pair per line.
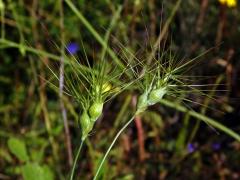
(179,108)
(76,159)
(204,118)
(112,144)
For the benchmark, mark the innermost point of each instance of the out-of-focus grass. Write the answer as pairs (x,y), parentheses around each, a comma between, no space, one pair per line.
(160,144)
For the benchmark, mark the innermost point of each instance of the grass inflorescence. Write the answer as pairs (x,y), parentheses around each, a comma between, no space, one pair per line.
(90,87)
(92,84)
(163,76)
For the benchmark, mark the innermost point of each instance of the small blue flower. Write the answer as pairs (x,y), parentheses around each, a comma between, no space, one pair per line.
(191,148)
(72,48)
(216,146)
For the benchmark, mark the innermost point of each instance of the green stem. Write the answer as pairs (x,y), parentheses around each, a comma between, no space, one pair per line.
(40,53)
(2,20)
(199,116)
(94,33)
(164,31)
(112,24)
(110,147)
(30,49)
(75,160)
(204,108)
(18,22)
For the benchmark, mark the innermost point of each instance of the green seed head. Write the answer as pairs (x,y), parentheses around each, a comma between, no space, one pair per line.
(95,110)
(156,95)
(142,103)
(86,124)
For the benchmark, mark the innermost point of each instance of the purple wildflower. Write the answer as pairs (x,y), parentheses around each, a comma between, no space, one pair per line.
(191,148)
(72,48)
(216,146)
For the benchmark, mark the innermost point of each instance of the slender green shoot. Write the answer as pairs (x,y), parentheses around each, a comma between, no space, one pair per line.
(76,160)
(94,33)
(164,77)
(110,147)
(199,116)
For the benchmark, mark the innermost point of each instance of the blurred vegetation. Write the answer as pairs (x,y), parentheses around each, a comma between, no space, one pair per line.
(168,141)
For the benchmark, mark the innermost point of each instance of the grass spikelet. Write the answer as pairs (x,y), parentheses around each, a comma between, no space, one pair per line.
(164,76)
(93,87)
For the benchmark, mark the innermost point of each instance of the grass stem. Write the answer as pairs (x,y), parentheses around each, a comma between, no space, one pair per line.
(204,118)
(112,144)
(76,159)
(94,33)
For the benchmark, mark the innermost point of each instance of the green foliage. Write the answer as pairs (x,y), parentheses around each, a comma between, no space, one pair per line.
(1,5)
(18,148)
(153,118)
(29,170)
(144,58)
(32,171)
